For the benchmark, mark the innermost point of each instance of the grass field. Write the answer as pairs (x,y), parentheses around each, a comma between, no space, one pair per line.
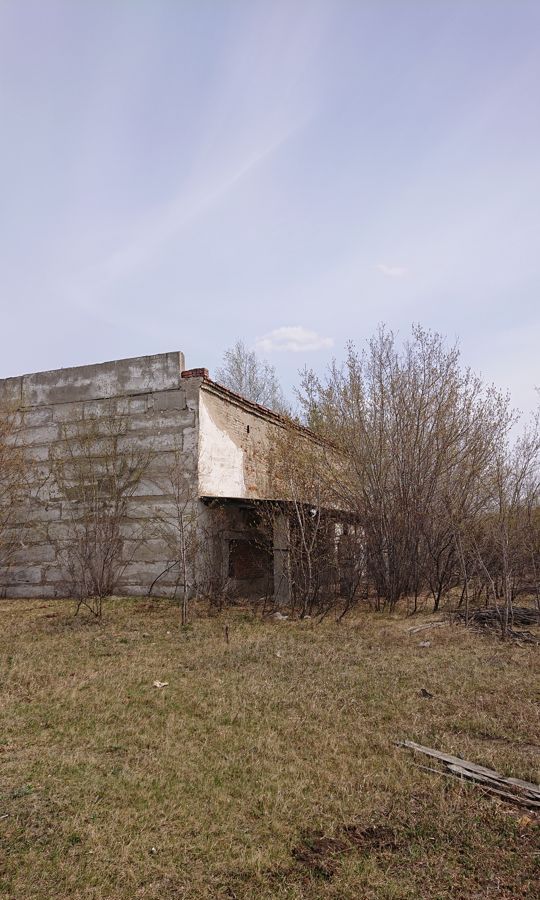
(267,767)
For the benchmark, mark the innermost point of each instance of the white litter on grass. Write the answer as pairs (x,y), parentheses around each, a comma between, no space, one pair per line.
(159,684)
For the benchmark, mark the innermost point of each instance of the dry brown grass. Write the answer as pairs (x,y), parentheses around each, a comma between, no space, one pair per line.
(267,767)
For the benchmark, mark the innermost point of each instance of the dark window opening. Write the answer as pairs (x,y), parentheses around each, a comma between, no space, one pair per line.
(248,559)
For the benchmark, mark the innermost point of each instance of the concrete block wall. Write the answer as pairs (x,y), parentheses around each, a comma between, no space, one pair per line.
(224,444)
(159,412)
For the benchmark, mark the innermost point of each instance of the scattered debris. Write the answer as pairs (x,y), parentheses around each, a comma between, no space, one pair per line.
(5,816)
(512,790)
(439,624)
(160,684)
(279,616)
(278,654)
(492,617)
(424,644)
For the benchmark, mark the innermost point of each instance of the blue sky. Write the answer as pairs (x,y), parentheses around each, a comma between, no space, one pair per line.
(176,174)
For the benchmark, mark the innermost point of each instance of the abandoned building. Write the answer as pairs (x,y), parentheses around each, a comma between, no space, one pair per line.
(186,424)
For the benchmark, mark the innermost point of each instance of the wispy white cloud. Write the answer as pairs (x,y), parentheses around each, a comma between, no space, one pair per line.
(239,133)
(167,222)
(392,271)
(294,338)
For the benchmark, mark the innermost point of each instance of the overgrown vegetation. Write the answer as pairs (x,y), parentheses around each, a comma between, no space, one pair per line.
(193,542)
(419,455)
(96,475)
(244,373)
(268,765)
(13,486)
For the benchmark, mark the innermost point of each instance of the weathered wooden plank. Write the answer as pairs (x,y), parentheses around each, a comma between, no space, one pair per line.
(415,628)
(493,782)
(448,758)
(529,793)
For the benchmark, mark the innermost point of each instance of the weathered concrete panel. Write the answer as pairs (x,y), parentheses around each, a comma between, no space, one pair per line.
(170,400)
(28,591)
(37,454)
(34,553)
(41,415)
(25,575)
(11,392)
(39,434)
(162,420)
(139,404)
(110,379)
(150,440)
(153,550)
(68,412)
(146,402)
(139,573)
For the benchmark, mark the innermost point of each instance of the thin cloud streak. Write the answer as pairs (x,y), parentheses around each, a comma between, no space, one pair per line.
(252,112)
(169,221)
